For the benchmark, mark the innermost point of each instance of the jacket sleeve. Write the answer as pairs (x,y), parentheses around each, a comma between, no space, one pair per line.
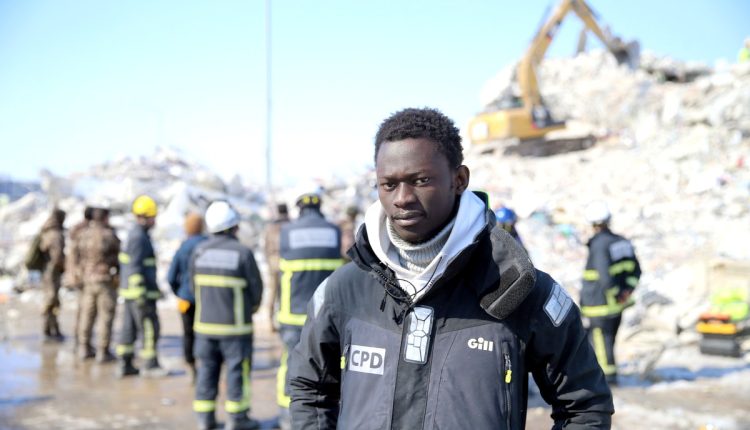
(174,275)
(255,283)
(315,372)
(600,261)
(563,363)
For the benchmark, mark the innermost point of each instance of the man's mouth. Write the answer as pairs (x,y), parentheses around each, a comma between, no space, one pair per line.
(407,219)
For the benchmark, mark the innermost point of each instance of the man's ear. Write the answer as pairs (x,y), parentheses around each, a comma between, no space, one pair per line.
(461,179)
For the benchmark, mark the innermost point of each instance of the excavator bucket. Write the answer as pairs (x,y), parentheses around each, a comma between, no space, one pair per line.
(628,54)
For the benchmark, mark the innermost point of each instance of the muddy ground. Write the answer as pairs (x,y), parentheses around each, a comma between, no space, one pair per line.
(43,386)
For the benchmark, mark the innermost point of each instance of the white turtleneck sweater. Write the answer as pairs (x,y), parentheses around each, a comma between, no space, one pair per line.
(419,266)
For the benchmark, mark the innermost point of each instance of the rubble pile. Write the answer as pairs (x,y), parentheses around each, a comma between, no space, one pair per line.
(671,161)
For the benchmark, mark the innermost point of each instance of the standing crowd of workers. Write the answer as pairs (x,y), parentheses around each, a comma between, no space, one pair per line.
(390,324)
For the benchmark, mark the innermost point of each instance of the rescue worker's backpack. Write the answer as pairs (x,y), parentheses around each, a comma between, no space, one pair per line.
(34,256)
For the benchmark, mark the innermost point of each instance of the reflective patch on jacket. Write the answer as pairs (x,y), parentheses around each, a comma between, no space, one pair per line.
(316,237)
(222,259)
(558,305)
(620,250)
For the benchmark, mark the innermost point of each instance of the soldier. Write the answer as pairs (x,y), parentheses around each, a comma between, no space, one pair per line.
(52,246)
(98,249)
(73,279)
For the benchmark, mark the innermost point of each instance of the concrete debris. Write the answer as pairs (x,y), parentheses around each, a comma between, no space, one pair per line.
(673,140)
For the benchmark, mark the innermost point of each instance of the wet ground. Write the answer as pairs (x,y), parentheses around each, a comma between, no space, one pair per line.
(43,386)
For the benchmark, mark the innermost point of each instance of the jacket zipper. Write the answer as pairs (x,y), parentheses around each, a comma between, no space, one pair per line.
(344,359)
(508,377)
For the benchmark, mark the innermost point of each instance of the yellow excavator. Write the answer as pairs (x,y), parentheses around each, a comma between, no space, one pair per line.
(523,116)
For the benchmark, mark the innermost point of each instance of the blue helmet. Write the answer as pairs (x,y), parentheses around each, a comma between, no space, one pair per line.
(506,215)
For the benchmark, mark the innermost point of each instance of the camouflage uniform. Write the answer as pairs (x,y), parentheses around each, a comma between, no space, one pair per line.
(52,245)
(98,248)
(73,278)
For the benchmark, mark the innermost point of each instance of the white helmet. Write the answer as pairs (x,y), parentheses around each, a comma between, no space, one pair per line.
(221,216)
(597,213)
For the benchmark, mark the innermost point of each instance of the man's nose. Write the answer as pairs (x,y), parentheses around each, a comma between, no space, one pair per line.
(404,195)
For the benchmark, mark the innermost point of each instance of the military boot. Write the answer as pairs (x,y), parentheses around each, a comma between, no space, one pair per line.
(126,367)
(241,422)
(206,421)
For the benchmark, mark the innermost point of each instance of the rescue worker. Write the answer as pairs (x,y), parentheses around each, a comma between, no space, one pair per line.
(440,315)
(98,249)
(744,55)
(179,279)
(611,274)
(507,218)
(228,289)
(52,247)
(310,252)
(271,250)
(140,292)
(73,279)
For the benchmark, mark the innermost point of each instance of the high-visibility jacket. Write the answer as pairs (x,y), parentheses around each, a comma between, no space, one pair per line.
(310,250)
(612,269)
(227,287)
(138,267)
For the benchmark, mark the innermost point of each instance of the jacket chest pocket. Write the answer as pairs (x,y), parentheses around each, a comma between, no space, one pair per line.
(478,374)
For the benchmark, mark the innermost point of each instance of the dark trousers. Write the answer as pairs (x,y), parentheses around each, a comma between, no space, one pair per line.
(602,332)
(188,338)
(236,353)
(139,320)
(290,336)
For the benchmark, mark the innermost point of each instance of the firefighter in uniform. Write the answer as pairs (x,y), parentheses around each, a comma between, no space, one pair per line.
(310,251)
(227,289)
(611,274)
(98,248)
(140,292)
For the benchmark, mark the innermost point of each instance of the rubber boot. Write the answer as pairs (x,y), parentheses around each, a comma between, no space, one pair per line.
(241,422)
(126,367)
(206,420)
(152,369)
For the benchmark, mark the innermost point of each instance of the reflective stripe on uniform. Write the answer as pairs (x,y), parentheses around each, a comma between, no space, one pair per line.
(135,280)
(632,281)
(149,262)
(281,398)
(234,407)
(149,346)
(622,267)
(590,275)
(600,349)
(611,308)
(288,268)
(122,350)
(123,258)
(131,293)
(204,405)
(219,281)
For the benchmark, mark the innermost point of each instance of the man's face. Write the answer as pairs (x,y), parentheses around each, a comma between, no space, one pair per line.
(417,187)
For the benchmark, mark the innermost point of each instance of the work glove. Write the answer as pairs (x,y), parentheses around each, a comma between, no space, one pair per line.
(183,305)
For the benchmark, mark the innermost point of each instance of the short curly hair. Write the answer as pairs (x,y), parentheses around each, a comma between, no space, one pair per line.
(425,123)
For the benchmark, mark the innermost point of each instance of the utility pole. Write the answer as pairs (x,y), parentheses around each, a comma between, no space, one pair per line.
(269,180)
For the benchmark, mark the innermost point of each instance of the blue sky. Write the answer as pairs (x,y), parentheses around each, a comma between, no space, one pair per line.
(85,81)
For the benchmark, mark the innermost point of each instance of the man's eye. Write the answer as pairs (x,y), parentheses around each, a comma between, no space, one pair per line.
(421,181)
(388,186)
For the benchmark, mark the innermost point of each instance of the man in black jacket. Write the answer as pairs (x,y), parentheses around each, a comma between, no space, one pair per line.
(440,316)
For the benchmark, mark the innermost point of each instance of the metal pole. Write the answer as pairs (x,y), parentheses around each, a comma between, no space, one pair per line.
(269,181)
